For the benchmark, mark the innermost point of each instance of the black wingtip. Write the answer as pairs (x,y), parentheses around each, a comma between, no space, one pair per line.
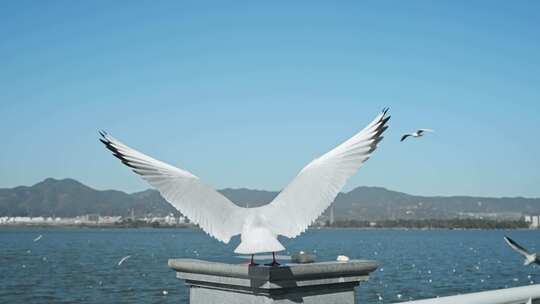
(509,240)
(384,110)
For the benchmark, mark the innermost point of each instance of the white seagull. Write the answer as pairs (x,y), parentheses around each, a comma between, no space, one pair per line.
(123,259)
(289,214)
(418,133)
(529,257)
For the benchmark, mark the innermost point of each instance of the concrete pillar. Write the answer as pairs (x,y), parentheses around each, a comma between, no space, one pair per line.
(323,282)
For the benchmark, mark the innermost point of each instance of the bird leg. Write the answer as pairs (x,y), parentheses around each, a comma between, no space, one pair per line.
(252,263)
(274,262)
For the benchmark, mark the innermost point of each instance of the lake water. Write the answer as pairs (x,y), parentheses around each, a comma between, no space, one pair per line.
(80,265)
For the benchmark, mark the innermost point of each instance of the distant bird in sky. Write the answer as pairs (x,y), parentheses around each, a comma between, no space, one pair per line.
(38,238)
(289,214)
(123,259)
(529,257)
(418,133)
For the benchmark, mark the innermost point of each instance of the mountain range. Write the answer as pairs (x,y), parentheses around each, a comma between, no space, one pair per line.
(70,198)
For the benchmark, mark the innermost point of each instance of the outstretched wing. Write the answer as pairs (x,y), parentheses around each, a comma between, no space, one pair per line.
(318,184)
(204,206)
(516,246)
(420,131)
(405,136)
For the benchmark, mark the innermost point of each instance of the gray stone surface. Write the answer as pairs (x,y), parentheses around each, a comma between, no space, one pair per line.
(323,282)
(303,257)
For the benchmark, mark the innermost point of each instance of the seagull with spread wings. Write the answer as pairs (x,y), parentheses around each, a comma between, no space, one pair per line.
(418,133)
(529,257)
(289,214)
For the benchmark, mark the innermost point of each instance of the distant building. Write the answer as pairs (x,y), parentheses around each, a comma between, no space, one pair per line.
(170,219)
(92,218)
(506,215)
(535,221)
(109,219)
(182,220)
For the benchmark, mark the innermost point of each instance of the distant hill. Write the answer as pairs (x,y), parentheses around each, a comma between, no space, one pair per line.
(69,198)
(370,203)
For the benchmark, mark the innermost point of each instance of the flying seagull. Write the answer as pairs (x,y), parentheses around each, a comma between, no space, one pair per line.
(529,257)
(289,214)
(418,133)
(123,259)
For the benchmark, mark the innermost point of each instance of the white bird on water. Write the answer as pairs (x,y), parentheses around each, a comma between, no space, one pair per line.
(529,257)
(289,214)
(123,259)
(418,133)
(38,238)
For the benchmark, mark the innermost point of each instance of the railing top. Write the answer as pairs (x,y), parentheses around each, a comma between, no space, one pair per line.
(514,295)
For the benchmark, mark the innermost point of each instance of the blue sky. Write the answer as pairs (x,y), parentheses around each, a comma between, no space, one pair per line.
(245,94)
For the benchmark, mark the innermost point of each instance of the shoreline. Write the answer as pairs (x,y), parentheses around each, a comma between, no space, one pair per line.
(193,227)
